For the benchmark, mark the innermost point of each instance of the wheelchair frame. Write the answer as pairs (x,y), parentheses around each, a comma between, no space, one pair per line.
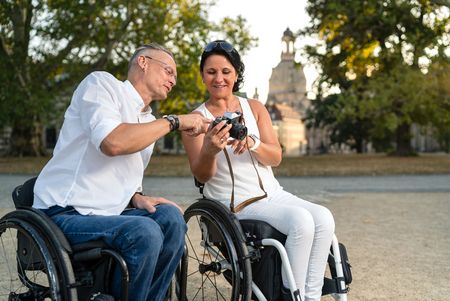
(207,212)
(58,270)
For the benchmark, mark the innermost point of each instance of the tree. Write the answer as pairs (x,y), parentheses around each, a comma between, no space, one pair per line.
(339,114)
(439,79)
(47,47)
(362,40)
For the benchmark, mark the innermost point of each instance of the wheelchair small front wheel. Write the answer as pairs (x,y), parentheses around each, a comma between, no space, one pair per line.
(213,270)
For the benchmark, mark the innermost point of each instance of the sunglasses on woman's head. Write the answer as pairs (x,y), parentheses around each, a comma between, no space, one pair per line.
(227,47)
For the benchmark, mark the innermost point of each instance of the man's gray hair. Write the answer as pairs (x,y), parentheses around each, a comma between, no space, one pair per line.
(151,46)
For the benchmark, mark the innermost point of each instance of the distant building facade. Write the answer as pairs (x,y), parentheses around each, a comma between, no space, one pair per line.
(423,140)
(287,102)
(290,129)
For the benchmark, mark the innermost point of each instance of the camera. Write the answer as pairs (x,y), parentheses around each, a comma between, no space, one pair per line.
(238,130)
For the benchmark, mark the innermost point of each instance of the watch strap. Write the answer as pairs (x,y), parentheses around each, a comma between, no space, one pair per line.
(173,120)
(257,142)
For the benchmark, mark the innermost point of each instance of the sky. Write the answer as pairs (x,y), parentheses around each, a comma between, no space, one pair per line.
(267,20)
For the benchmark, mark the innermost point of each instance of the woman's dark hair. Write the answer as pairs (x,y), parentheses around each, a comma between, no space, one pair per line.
(224,48)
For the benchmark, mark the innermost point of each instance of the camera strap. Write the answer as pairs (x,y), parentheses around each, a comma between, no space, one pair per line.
(250,200)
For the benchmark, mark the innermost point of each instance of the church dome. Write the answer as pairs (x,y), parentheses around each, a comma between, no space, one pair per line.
(288,34)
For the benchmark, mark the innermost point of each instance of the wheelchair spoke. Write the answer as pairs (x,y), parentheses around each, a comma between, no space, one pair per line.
(25,264)
(193,249)
(218,292)
(190,242)
(200,289)
(210,275)
(207,278)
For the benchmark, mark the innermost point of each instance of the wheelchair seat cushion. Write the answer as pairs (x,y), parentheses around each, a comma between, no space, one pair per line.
(256,229)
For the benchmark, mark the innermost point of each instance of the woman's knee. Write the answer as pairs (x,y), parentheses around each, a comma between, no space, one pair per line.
(325,220)
(301,224)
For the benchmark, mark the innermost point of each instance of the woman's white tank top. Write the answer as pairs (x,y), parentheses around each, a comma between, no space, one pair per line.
(246,183)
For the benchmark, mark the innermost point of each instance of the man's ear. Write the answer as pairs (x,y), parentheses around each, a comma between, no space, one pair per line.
(141,62)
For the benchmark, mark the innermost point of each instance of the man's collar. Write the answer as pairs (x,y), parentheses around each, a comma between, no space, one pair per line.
(136,97)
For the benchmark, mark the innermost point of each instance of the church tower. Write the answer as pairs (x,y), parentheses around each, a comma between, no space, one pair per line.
(287,84)
(286,100)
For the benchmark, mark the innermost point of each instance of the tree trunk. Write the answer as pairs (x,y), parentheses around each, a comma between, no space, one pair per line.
(26,140)
(403,139)
(359,145)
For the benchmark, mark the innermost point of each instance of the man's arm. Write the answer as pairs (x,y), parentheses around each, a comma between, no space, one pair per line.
(128,138)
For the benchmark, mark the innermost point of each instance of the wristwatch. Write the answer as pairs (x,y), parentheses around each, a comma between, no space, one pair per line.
(257,142)
(174,121)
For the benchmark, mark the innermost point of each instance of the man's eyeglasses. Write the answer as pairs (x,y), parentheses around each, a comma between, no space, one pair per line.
(167,68)
(227,47)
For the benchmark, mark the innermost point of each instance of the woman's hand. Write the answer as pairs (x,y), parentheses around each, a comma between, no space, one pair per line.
(240,146)
(149,202)
(216,138)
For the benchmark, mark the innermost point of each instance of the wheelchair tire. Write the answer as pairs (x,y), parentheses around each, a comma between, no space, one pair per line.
(27,269)
(217,262)
(32,256)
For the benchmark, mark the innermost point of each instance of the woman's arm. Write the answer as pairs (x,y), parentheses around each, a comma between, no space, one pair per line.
(269,150)
(202,150)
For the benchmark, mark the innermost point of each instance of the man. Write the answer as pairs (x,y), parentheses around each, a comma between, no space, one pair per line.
(92,186)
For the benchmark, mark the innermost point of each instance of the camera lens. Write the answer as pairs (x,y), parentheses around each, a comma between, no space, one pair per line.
(238,131)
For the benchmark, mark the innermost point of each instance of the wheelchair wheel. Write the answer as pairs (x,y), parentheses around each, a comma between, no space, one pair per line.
(216,263)
(27,271)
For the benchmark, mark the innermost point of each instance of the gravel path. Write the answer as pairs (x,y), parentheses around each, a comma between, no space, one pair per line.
(398,241)
(398,244)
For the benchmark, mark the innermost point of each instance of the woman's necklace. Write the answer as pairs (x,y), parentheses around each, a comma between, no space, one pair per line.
(216,108)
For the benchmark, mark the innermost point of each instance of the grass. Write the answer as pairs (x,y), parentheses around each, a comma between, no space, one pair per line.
(320,165)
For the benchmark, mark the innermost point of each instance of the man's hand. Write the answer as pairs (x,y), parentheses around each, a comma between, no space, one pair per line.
(148,202)
(193,124)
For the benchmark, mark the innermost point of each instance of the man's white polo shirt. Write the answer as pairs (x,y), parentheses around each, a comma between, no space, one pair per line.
(79,174)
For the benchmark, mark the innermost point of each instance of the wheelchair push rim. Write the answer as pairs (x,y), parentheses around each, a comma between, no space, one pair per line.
(26,266)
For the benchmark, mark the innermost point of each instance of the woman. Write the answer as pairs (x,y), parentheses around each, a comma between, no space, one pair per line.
(309,227)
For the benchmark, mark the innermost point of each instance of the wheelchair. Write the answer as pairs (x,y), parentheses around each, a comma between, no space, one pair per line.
(230,259)
(38,263)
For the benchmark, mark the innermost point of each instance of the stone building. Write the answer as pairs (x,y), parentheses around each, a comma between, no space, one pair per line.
(290,129)
(286,101)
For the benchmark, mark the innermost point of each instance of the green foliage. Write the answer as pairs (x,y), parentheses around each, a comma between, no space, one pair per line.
(439,78)
(377,54)
(48,46)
